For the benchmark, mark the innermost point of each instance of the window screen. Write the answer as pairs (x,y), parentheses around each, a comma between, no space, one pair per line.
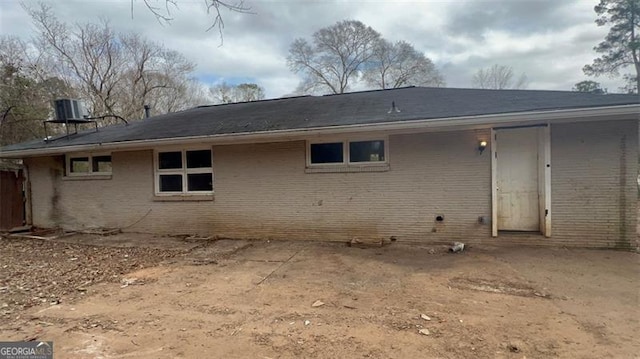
(170,160)
(199,159)
(200,182)
(327,153)
(170,183)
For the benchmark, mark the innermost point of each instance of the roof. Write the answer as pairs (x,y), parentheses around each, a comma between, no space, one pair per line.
(357,108)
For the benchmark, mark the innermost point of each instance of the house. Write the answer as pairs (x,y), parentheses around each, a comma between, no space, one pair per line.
(417,164)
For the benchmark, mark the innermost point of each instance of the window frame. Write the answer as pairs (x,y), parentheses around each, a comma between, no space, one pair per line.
(346,159)
(184,171)
(90,156)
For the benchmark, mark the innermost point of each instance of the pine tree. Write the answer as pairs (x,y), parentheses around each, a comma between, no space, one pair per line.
(621,47)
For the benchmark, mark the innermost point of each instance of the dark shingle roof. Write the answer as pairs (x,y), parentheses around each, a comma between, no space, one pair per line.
(368,107)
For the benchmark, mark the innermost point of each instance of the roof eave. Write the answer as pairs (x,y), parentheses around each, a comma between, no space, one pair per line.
(437,124)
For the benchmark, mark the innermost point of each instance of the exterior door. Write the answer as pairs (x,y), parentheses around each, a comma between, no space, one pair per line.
(517,179)
(12,212)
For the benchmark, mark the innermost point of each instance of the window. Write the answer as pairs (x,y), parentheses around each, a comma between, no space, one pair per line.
(170,160)
(88,164)
(366,151)
(79,165)
(327,152)
(358,153)
(101,164)
(184,172)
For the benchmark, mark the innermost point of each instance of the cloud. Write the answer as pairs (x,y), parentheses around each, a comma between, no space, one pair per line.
(474,18)
(549,40)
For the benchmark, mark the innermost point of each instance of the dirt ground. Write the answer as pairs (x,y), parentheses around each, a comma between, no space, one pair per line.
(139,296)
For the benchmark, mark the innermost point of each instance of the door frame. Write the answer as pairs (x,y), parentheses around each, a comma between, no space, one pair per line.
(544,177)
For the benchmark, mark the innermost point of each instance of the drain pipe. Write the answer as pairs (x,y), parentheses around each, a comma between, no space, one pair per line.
(147,111)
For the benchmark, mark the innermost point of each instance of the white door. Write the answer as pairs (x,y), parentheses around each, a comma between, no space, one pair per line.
(517,179)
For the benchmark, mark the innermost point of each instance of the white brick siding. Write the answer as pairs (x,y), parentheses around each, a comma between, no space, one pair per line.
(262,191)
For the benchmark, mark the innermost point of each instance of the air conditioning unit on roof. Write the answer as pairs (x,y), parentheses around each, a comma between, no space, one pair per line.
(69,110)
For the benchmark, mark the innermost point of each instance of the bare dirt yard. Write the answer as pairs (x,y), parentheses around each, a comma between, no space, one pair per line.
(139,296)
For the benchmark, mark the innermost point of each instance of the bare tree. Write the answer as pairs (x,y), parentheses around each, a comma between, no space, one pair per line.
(249,92)
(335,56)
(157,77)
(498,77)
(114,73)
(163,12)
(245,92)
(400,64)
(222,93)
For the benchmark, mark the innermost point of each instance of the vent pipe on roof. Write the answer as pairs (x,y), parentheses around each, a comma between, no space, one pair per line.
(147,111)
(393,109)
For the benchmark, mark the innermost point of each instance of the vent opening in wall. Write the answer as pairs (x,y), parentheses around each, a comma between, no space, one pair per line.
(440,218)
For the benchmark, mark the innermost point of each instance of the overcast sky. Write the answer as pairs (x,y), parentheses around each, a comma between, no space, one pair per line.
(548,40)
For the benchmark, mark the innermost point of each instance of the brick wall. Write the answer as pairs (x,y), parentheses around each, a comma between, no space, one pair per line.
(262,191)
(594,183)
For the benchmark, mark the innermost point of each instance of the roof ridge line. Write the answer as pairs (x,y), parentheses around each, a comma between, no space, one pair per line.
(263,100)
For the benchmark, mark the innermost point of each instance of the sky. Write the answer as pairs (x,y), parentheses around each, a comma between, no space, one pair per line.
(548,40)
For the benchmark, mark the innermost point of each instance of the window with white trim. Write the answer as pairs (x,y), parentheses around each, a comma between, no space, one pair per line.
(88,164)
(348,152)
(184,172)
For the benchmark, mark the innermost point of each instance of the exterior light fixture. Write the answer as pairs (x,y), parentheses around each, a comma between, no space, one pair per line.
(482,145)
